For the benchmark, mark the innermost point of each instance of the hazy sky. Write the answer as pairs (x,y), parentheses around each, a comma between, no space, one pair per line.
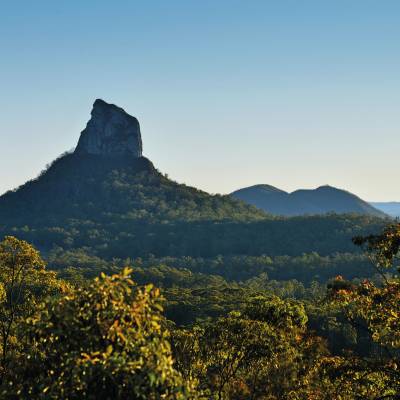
(295,94)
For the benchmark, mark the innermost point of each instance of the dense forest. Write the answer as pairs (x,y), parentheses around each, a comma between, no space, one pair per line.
(118,283)
(98,212)
(201,336)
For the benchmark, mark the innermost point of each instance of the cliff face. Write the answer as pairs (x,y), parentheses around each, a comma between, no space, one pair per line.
(110,131)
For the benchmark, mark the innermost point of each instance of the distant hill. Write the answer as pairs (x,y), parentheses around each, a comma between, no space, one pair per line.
(323,200)
(391,208)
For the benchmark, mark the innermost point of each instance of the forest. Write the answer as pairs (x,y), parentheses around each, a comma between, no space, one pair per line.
(118,283)
(95,212)
(193,328)
(139,287)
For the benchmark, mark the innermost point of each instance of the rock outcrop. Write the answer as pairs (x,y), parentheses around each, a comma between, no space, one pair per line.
(111,132)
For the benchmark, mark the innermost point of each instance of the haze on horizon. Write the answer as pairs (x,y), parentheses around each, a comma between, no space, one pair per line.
(228,94)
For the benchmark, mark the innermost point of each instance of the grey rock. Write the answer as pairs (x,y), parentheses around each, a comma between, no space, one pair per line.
(110,131)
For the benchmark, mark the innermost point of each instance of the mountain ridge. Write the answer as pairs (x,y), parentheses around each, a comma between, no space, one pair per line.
(321,200)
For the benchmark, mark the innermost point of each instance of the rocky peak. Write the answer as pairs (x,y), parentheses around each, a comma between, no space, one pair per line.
(110,131)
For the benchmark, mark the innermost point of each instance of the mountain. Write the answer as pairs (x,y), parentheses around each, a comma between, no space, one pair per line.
(391,208)
(104,184)
(323,200)
(107,175)
(106,201)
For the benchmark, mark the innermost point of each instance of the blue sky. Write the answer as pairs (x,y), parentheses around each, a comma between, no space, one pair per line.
(295,94)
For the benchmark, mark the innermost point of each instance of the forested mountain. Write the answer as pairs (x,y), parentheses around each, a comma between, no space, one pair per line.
(323,200)
(123,207)
(113,189)
(107,188)
(105,202)
(107,178)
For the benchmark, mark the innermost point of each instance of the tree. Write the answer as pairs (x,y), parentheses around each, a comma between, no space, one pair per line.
(105,340)
(374,310)
(264,351)
(24,282)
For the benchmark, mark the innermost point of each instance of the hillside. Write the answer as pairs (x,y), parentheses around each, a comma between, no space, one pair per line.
(108,179)
(99,188)
(323,200)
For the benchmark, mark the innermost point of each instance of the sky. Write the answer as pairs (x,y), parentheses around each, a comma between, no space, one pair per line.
(229,94)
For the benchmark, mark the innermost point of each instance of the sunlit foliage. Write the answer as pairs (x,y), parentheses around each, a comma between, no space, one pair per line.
(24,283)
(374,311)
(102,341)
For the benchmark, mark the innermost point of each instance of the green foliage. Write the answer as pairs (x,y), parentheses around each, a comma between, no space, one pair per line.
(374,311)
(230,278)
(188,271)
(262,352)
(103,341)
(24,282)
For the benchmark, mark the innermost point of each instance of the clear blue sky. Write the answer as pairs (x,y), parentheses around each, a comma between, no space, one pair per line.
(228,93)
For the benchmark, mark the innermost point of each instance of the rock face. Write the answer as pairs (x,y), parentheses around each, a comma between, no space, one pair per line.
(111,132)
